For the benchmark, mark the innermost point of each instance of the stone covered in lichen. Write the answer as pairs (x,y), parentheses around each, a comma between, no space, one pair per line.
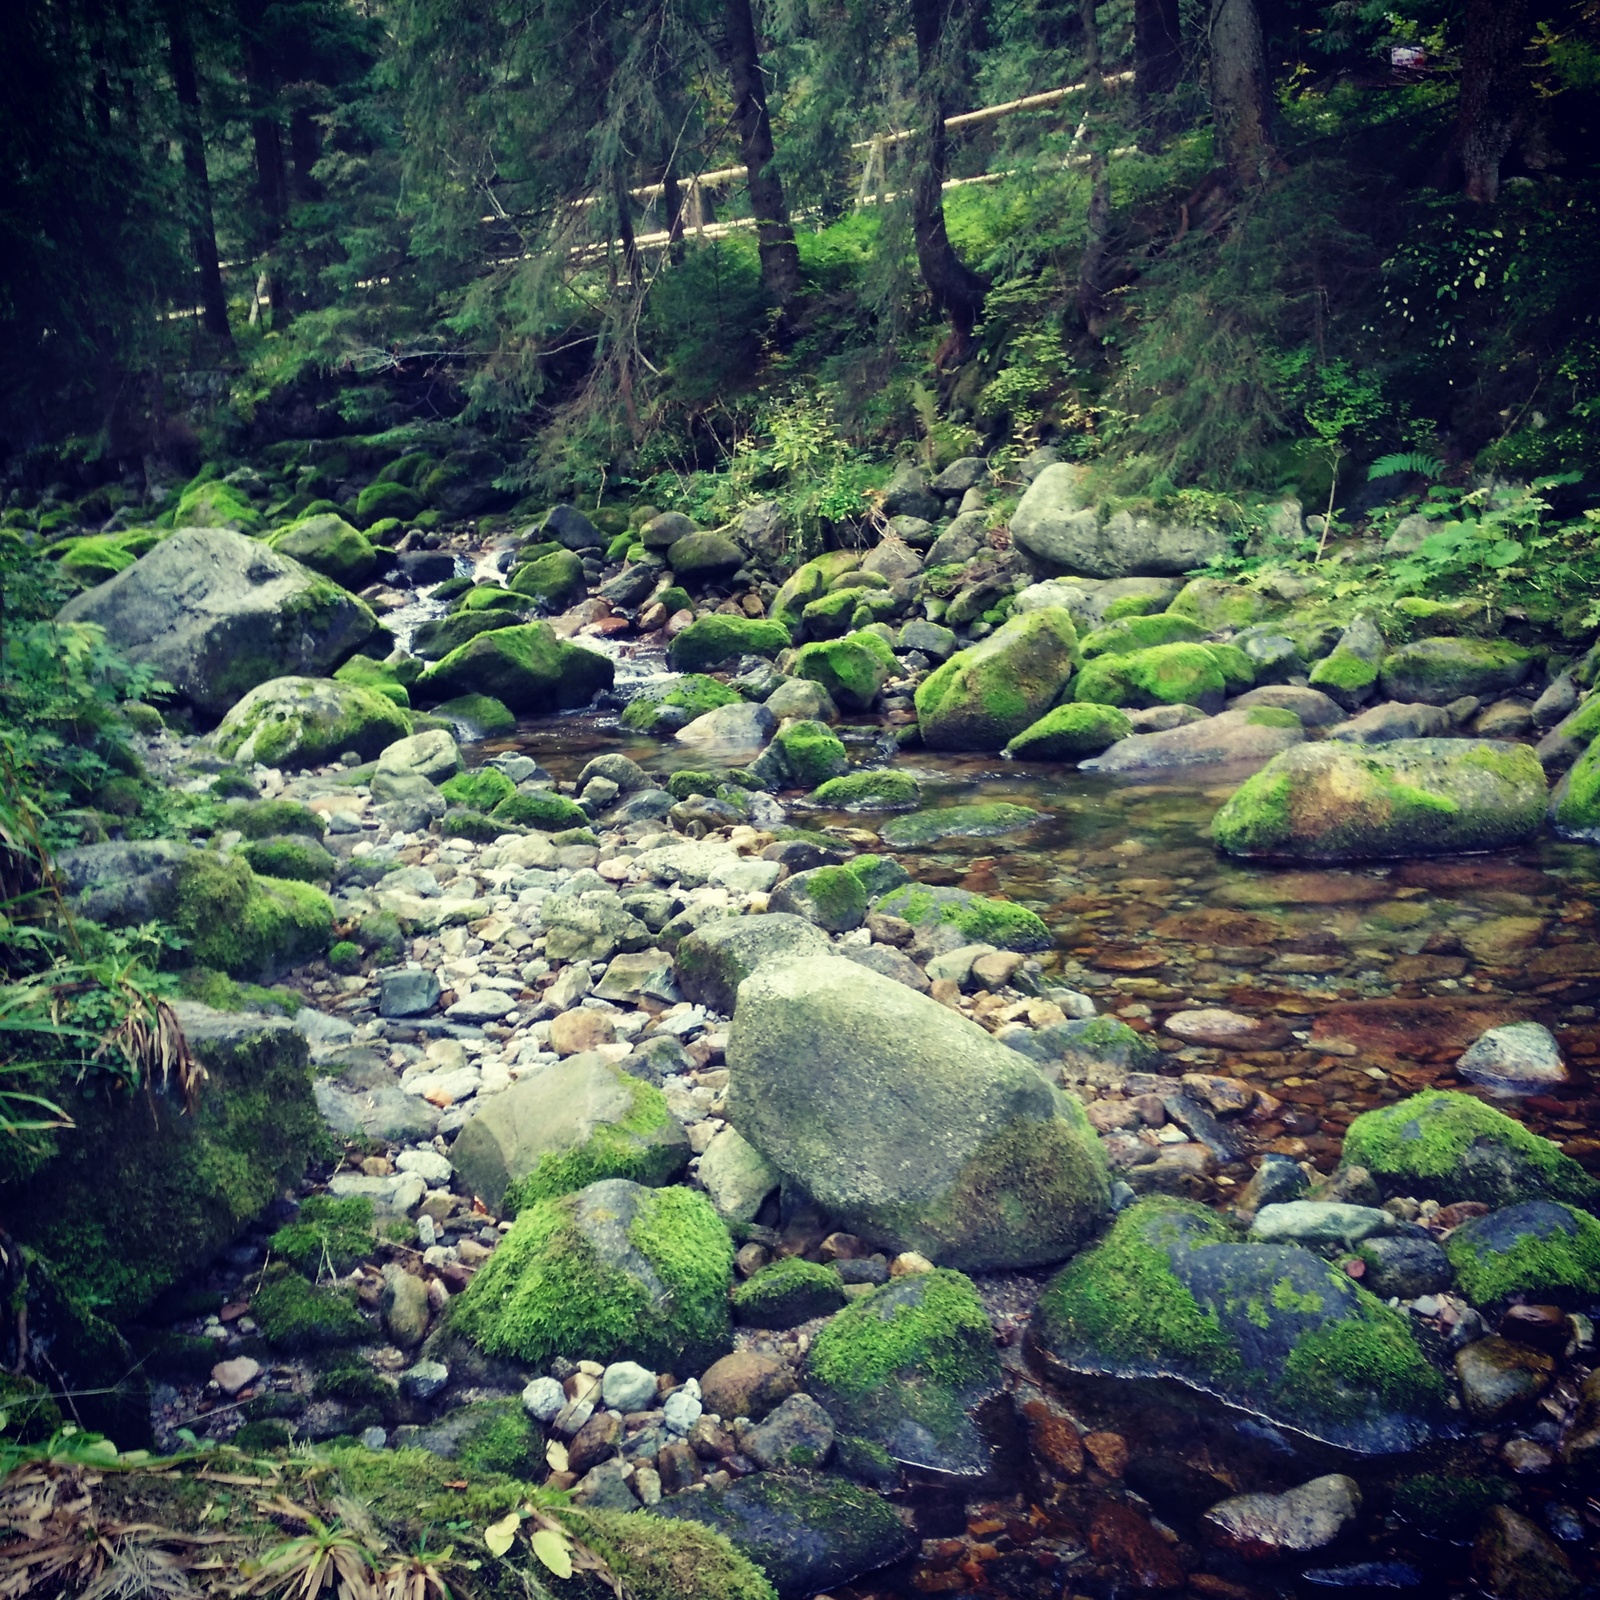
(678,701)
(1270,1328)
(1436,671)
(1445,1146)
(1126,634)
(1342,802)
(906,1366)
(812,753)
(1540,1249)
(245,926)
(909,1125)
(1070,733)
(301,722)
(616,1272)
(987,694)
(924,828)
(996,922)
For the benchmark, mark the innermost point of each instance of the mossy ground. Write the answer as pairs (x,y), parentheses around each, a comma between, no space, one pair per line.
(365,673)
(329,1236)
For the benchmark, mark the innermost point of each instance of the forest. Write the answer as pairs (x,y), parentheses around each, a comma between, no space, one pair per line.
(799,799)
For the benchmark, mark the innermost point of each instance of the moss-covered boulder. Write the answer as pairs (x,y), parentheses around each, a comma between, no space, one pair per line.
(809,582)
(245,926)
(328,1235)
(787,1293)
(1070,733)
(807,1532)
(555,579)
(616,1271)
(490,597)
(1445,1146)
(1126,634)
(142,1191)
(1540,1250)
(855,606)
(526,668)
(563,1128)
(362,672)
(1349,674)
(1436,671)
(702,557)
(214,614)
(290,855)
(881,789)
(921,829)
(981,921)
(713,641)
(665,707)
(215,504)
(831,897)
(1218,607)
(810,751)
(302,722)
(384,499)
(540,808)
(906,1367)
(984,696)
(482,789)
(1270,1328)
(1575,804)
(1343,802)
(477,716)
(909,1125)
(435,640)
(853,669)
(329,545)
(1163,675)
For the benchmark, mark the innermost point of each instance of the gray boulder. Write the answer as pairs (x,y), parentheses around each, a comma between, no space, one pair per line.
(908,495)
(741,728)
(215,613)
(119,883)
(908,1124)
(1056,521)
(961,541)
(1233,738)
(570,527)
(1391,720)
(713,961)
(766,531)
(1312,706)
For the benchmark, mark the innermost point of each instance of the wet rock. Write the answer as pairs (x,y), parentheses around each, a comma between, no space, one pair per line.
(1349,673)
(987,694)
(1330,802)
(295,722)
(796,1434)
(806,1532)
(736,1176)
(1232,737)
(1226,1030)
(890,963)
(906,1123)
(1537,1248)
(1319,1222)
(1437,671)
(713,961)
(1499,1379)
(411,992)
(1404,1268)
(1121,1538)
(745,1384)
(1314,709)
(1264,1526)
(958,916)
(1083,1045)
(1513,1560)
(1161,719)
(1520,1057)
(1384,723)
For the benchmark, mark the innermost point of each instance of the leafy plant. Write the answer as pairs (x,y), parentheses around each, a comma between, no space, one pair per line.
(1405,463)
(327,1558)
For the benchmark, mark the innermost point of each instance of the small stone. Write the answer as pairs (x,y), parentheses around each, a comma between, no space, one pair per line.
(1119,1536)
(574,1032)
(683,1408)
(594,1442)
(1527,1457)
(1405,1268)
(404,1307)
(543,1399)
(409,993)
(626,1386)
(1518,1056)
(1263,1526)
(232,1376)
(1108,1451)
(796,1434)
(374,1438)
(482,1005)
(908,1264)
(678,1466)
(745,1384)
(425,1380)
(1226,1030)
(1052,1433)
(1512,1559)
(647,1485)
(1500,1378)
(1224,1095)
(433,1168)
(571,1417)
(1320,1222)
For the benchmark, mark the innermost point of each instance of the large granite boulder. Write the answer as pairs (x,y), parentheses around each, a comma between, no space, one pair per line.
(984,696)
(1339,802)
(302,722)
(1173,1292)
(215,613)
(906,1123)
(563,1128)
(1058,522)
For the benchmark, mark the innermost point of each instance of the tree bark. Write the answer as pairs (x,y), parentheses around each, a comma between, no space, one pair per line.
(191,134)
(941,28)
(1091,290)
(780,259)
(272,174)
(305,148)
(1157,48)
(1090,21)
(1241,96)
(1494,93)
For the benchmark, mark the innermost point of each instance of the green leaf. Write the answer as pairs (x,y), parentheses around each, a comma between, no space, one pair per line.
(499,1536)
(554,1550)
(1502,553)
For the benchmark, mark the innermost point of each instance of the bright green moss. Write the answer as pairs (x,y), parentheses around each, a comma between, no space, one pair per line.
(1132,605)
(329,545)
(923,828)
(661,1558)
(880,790)
(344,956)
(631,1146)
(297,1316)
(687,782)
(1169,674)
(1453,1147)
(459,823)
(222,993)
(812,752)
(329,1236)
(540,810)
(711,641)
(852,669)
(1576,811)
(490,597)
(1139,633)
(546,1291)
(481,790)
(1547,1261)
(1338,1370)
(1217,607)
(945,1336)
(1345,670)
(290,856)
(694,694)
(1238,671)
(787,1293)
(310,723)
(244,925)
(476,716)
(1123,1300)
(838,896)
(527,668)
(506,1441)
(216,505)
(1071,733)
(365,673)
(1271,717)
(555,579)
(996,922)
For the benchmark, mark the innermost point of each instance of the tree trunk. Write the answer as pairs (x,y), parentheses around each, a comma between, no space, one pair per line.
(1090,21)
(1241,96)
(305,147)
(941,28)
(272,174)
(1157,48)
(202,223)
(1091,290)
(780,259)
(1494,93)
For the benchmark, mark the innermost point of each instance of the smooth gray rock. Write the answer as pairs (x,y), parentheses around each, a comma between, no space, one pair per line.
(737,1177)
(1404,1268)
(1319,1222)
(908,495)
(732,730)
(570,527)
(1392,720)
(123,882)
(1231,738)
(433,756)
(1518,1057)
(935,641)
(714,960)
(412,992)
(1312,706)
(215,613)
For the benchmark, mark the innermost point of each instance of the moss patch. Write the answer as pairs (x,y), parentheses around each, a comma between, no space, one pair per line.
(245,926)
(996,922)
(693,694)
(882,790)
(711,641)
(923,828)
(787,1293)
(540,809)
(1070,733)
(1540,1248)
(1164,675)
(852,669)
(296,1316)
(259,819)
(1140,633)
(481,790)
(290,856)
(328,1236)
(811,751)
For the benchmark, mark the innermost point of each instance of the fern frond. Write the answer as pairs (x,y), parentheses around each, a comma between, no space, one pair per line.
(1405,463)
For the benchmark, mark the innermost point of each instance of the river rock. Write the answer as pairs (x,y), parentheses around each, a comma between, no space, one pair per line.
(1381,724)
(433,755)
(1403,1268)
(1539,1249)
(1312,706)
(1319,1222)
(1327,802)
(301,722)
(123,882)
(1069,733)
(1234,737)
(745,1384)
(329,545)
(411,992)
(1273,1329)
(1500,1378)
(713,961)
(909,1125)
(1057,521)
(526,667)
(736,1176)
(563,1126)
(1261,1527)
(852,669)
(1513,1559)
(1437,671)
(215,613)
(798,1433)
(908,495)
(807,1532)
(987,694)
(1521,1057)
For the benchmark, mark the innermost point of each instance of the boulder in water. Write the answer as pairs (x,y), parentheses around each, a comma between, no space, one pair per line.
(527,668)
(302,722)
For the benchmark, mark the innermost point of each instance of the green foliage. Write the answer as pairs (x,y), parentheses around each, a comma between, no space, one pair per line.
(329,1237)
